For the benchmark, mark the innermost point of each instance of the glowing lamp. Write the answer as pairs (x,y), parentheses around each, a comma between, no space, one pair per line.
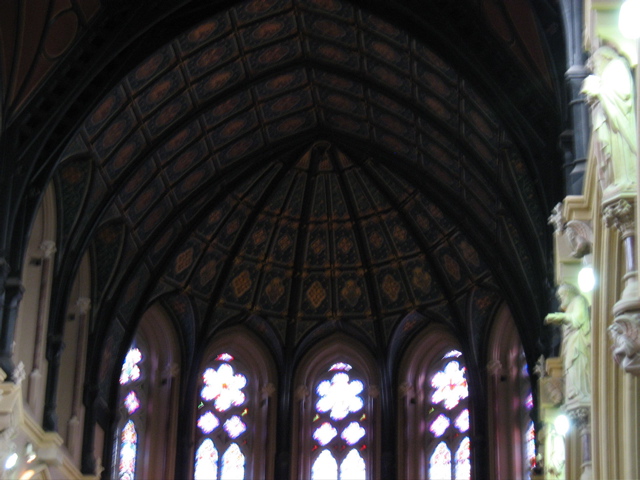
(629,20)
(586,279)
(11,461)
(561,423)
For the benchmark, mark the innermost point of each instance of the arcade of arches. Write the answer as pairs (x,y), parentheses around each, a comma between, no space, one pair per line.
(316,239)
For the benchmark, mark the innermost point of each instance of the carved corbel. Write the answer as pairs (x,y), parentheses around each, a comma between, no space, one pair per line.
(625,334)
(580,237)
(619,214)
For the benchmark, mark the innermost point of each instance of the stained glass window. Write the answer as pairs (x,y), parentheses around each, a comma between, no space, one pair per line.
(223,398)
(324,433)
(130,368)
(232,464)
(339,396)
(340,424)
(131,402)
(463,461)
(449,452)
(206,461)
(440,463)
(353,467)
(208,422)
(130,376)
(224,387)
(439,425)
(128,452)
(462,422)
(325,467)
(530,445)
(450,385)
(353,433)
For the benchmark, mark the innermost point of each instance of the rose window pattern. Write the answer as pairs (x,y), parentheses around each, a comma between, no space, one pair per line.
(448,420)
(340,426)
(131,387)
(222,421)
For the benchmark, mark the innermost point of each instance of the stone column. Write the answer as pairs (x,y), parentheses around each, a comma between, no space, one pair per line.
(73,427)
(34,393)
(580,420)
(620,214)
(55,345)
(10,299)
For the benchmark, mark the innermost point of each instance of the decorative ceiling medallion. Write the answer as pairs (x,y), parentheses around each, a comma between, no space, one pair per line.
(421,279)
(318,246)
(285,242)
(351,292)
(274,290)
(184,260)
(391,287)
(316,294)
(452,267)
(232,226)
(345,245)
(208,272)
(259,236)
(241,284)
(399,233)
(376,239)
(469,253)
(423,222)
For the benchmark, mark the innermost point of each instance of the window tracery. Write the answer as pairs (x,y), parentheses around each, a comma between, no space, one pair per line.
(339,426)
(234,414)
(223,415)
(132,389)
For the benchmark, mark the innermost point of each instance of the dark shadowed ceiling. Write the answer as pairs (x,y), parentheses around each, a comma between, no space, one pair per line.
(304,166)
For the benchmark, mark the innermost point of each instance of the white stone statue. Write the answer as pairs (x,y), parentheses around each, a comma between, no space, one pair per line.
(609,92)
(576,343)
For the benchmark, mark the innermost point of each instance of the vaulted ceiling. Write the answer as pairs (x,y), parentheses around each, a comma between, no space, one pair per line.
(301,166)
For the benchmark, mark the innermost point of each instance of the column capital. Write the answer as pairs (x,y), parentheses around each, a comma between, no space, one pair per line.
(620,214)
(83,304)
(48,248)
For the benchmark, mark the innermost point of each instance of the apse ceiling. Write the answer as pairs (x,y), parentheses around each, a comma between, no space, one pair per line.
(302,166)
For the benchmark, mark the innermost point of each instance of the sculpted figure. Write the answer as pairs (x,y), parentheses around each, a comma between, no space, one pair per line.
(576,342)
(625,334)
(609,92)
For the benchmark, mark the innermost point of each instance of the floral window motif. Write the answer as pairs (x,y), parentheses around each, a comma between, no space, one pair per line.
(131,377)
(222,403)
(340,426)
(130,368)
(450,385)
(449,453)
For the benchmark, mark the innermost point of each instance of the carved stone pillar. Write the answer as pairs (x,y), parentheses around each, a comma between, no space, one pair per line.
(10,298)
(48,249)
(620,214)
(73,431)
(580,419)
(54,352)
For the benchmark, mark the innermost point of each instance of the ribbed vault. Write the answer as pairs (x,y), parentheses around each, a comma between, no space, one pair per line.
(307,164)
